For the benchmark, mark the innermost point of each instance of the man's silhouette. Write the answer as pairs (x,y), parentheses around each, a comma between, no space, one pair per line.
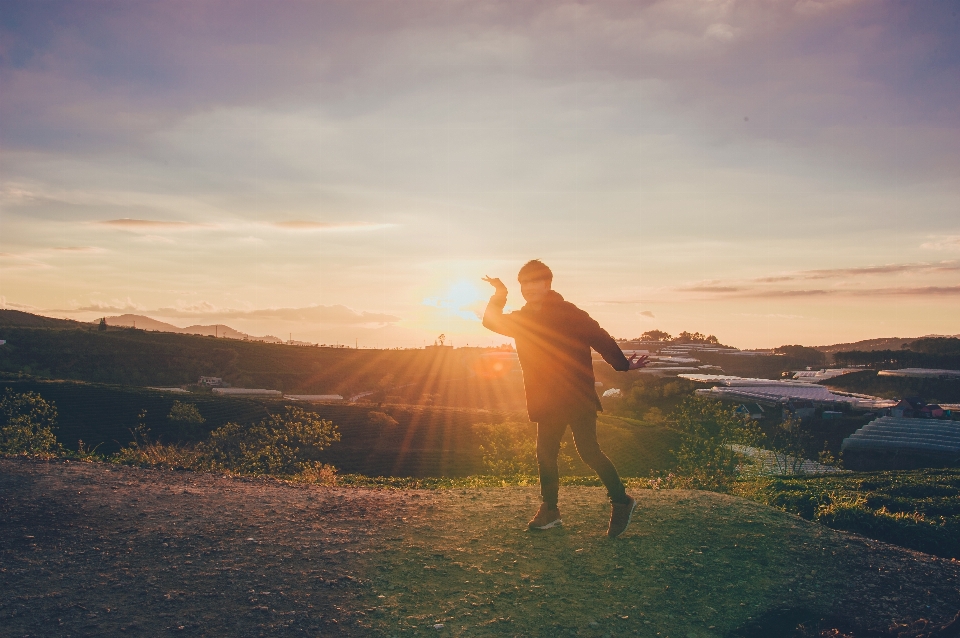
(554,339)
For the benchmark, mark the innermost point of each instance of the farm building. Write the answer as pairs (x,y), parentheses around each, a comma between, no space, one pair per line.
(896,443)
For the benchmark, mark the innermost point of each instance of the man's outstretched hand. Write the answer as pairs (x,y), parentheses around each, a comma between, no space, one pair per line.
(499,288)
(636,362)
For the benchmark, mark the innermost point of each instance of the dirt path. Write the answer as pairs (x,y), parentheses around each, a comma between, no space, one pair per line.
(89,549)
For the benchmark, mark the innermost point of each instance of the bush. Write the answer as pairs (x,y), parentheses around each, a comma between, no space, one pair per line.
(27,425)
(187,419)
(510,448)
(381,419)
(283,445)
(709,429)
(916,509)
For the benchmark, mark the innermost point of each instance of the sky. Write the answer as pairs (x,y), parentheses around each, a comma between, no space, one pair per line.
(770,172)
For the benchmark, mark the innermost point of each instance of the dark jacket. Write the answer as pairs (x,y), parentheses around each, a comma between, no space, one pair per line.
(553,345)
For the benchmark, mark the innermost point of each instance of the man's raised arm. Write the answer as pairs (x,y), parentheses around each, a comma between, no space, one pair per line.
(493,317)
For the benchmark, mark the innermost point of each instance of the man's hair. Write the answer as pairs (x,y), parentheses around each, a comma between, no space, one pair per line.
(535,269)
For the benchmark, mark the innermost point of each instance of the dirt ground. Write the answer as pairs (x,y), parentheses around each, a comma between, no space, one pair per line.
(92,549)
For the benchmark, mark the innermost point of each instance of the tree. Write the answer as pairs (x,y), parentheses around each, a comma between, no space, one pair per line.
(27,422)
(656,335)
(696,337)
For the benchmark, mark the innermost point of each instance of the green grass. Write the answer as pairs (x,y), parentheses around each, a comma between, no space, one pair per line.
(918,509)
(692,564)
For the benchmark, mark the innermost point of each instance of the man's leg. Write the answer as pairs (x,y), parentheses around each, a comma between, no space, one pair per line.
(549,434)
(585,436)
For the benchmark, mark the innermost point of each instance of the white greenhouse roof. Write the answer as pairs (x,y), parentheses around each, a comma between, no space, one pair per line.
(887,434)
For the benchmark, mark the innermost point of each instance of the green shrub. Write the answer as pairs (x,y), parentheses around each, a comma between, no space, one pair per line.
(27,422)
(282,444)
(510,448)
(381,419)
(919,509)
(187,419)
(709,428)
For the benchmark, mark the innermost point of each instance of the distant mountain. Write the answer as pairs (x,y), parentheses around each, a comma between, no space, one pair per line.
(869,345)
(143,322)
(19,319)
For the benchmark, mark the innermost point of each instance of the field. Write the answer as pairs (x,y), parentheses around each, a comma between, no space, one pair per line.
(89,549)
(919,509)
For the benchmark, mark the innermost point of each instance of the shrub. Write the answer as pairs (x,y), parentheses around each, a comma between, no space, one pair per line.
(510,448)
(916,509)
(381,419)
(709,430)
(27,422)
(187,419)
(282,444)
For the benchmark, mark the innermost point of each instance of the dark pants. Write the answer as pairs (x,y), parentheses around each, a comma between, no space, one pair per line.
(584,427)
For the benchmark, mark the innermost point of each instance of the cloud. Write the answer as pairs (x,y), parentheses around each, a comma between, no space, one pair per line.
(335,315)
(647,313)
(949,242)
(78,249)
(864,271)
(9,305)
(116,305)
(151,224)
(848,282)
(902,291)
(330,226)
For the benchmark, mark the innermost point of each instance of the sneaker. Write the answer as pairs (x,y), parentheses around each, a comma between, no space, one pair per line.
(620,515)
(545,518)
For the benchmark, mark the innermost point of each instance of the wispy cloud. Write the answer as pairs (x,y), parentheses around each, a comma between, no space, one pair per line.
(647,313)
(9,305)
(318,314)
(948,242)
(901,291)
(78,249)
(864,271)
(151,224)
(115,305)
(329,226)
(919,279)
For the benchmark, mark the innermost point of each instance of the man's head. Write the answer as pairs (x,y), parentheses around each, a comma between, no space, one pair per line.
(535,279)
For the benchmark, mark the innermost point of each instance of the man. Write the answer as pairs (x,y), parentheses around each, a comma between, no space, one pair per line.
(554,339)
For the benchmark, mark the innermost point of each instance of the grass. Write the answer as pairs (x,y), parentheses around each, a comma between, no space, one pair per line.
(918,509)
(693,564)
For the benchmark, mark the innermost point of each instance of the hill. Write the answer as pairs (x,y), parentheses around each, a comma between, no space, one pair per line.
(142,322)
(130,357)
(17,318)
(869,345)
(867,382)
(92,549)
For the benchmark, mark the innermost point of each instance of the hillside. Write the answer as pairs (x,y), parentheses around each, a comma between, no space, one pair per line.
(130,357)
(867,382)
(869,345)
(17,318)
(93,549)
(142,322)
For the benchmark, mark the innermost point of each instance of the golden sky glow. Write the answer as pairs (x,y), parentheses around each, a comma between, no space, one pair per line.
(771,173)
